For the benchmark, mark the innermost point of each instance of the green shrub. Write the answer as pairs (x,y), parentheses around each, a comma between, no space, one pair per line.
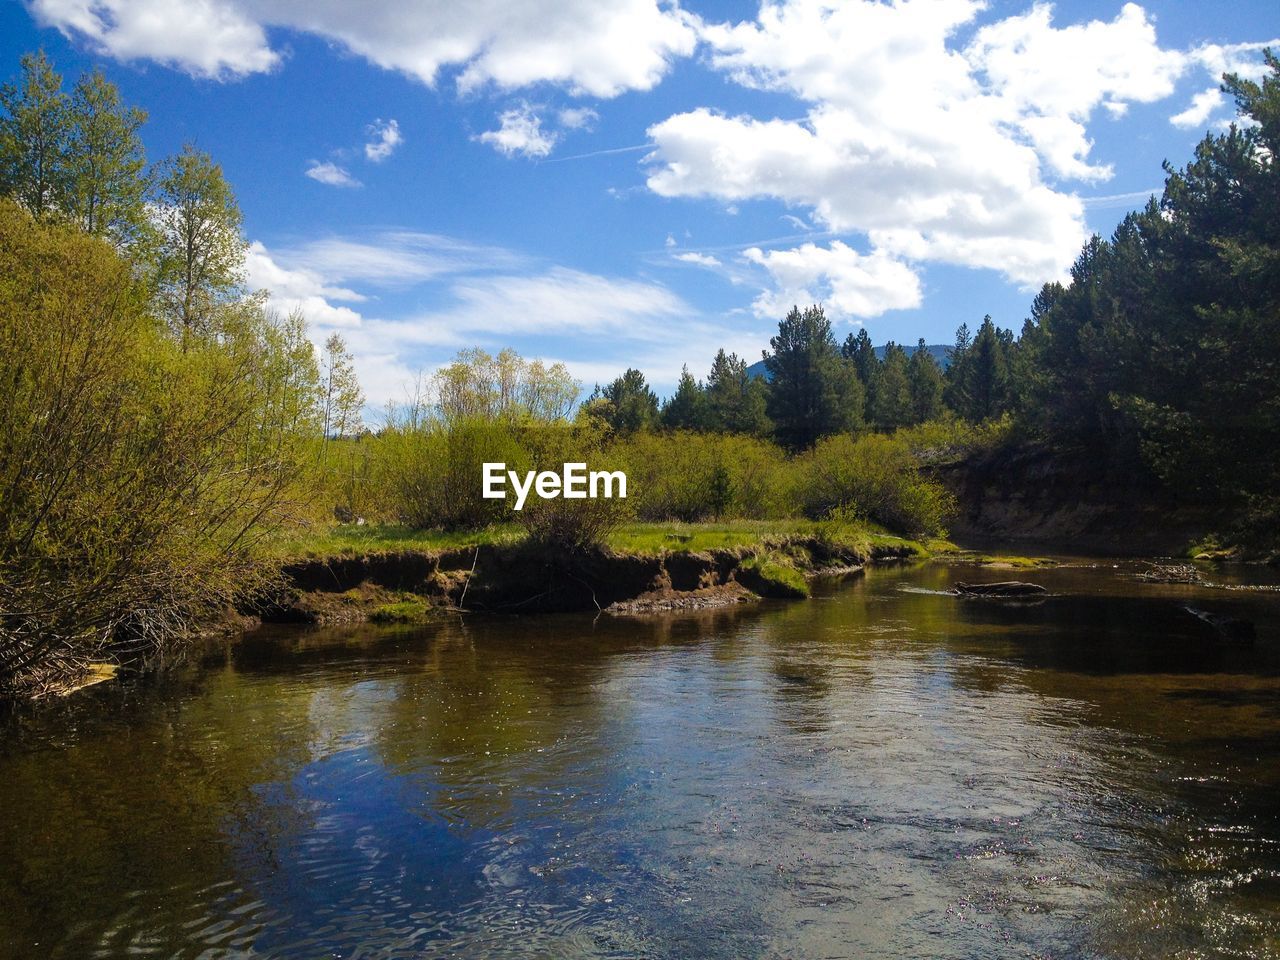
(136,473)
(696,476)
(431,473)
(874,477)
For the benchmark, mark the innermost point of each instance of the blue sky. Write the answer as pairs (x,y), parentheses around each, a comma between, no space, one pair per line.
(619,183)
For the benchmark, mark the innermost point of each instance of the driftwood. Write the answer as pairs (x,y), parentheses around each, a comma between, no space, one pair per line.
(1002,588)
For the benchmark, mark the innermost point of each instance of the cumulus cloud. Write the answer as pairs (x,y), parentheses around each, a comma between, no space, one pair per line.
(934,148)
(597,47)
(205,38)
(331,175)
(1218,59)
(520,132)
(848,284)
(386,137)
(1203,105)
(1047,81)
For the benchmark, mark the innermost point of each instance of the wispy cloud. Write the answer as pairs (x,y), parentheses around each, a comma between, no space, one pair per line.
(1117,200)
(331,175)
(483,296)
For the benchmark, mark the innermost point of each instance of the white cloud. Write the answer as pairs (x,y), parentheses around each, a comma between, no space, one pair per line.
(1217,59)
(561,300)
(395,259)
(535,312)
(698,259)
(1203,105)
(1048,80)
(577,118)
(520,131)
(597,47)
(300,289)
(487,297)
(206,38)
(934,148)
(386,137)
(331,175)
(847,283)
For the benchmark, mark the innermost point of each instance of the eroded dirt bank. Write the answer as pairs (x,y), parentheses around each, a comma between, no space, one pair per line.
(406,585)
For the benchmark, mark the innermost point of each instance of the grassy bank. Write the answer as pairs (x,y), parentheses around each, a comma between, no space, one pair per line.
(393,574)
(642,539)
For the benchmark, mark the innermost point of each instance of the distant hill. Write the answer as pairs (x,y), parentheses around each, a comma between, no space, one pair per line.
(938,350)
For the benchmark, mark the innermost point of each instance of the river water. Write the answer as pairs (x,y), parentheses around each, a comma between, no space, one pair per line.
(882,771)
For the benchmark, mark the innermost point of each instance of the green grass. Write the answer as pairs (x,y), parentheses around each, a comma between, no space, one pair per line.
(350,540)
(778,578)
(405,611)
(1000,560)
(634,538)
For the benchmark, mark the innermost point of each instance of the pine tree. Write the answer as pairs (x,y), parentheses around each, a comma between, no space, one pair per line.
(813,391)
(687,407)
(736,400)
(629,405)
(926,382)
(891,406)
(860,351)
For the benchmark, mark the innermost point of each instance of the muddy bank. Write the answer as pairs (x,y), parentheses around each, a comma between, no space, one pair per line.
(521,579)
(1039,496)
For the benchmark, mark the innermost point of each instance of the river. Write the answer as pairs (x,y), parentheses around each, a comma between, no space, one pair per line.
(884,770)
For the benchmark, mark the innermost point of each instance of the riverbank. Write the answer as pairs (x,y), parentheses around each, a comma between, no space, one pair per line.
(1030,493)
(349,574)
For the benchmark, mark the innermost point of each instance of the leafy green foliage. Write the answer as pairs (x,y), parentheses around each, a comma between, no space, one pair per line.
(626,405)
(201,250)
(135,476)
(1162,354)
(34,133)
(503,387)
(687,407)
(875,477)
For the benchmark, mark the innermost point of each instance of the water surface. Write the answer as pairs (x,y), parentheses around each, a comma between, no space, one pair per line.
(882,771)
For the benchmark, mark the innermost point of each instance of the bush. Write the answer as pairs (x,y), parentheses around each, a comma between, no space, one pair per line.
(135,473)
(572,525)
(431,473)
(875,477)
(696,476)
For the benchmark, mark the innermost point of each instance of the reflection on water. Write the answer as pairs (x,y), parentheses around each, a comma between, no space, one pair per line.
(885,770)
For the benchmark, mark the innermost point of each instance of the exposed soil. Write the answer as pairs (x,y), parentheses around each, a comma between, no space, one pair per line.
(521,579)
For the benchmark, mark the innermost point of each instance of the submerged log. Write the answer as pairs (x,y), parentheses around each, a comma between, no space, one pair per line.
(1232,629)
(1002,588)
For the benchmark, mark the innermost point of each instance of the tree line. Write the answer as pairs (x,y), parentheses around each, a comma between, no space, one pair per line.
(1158,363)
(814,387)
